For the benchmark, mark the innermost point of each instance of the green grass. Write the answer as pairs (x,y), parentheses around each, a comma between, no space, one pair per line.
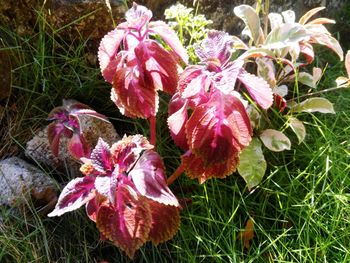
(301,210)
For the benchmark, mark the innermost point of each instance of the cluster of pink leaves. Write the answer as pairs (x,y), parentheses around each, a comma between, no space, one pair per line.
(125,193)
(66,123)
(138,66)
(124,188)
(219,126)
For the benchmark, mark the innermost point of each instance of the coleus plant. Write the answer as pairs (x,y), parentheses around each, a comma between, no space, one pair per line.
(138,66)
(215,135)
(125,194)
(218,128)
(66,123)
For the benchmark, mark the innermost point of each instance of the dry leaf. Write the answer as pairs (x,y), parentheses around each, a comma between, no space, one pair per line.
(247,234)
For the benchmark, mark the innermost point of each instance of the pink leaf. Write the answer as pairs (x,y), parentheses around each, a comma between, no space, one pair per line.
(138,16)
(218,129)
(228,76)
(119,104)
(76,193)
(149,178)
(78,147)
(177,119)
(91,113)
(127,225)
(54,133)
(101,157)
(196,169)
(169,36)
(217,47)
(258,88)
(194,85)
(91,209)
(308,51)
(106,186)
(158,64)
(134,93)
(107,52)
(128,150)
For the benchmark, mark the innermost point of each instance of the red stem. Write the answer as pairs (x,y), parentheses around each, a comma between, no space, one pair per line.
(176,174)
(153,130)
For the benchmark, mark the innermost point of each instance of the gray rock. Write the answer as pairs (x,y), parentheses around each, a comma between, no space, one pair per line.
(22,183)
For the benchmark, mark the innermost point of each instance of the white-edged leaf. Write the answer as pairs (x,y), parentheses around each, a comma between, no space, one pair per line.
(314,105)
(306,79)
(342,82)
(347,63)
(281,90)
(252,164)
(275,140)
(288,16)
(303,20)
(275,20)
(330,42)
(298,128)
(285,35)
(266,70)
(250,18)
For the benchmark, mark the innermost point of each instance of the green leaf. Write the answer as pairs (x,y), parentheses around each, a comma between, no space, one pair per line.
(298,128)
(275,140)
(314,105)
(251,20)
(252,164)
(306,79)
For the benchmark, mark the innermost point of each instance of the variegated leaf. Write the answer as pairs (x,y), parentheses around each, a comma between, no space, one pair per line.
(275,140)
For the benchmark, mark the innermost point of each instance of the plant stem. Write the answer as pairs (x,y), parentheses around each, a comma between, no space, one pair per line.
(176,174)
(153,130)
(318,92)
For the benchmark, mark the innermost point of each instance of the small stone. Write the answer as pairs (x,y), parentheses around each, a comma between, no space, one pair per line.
(22,183)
